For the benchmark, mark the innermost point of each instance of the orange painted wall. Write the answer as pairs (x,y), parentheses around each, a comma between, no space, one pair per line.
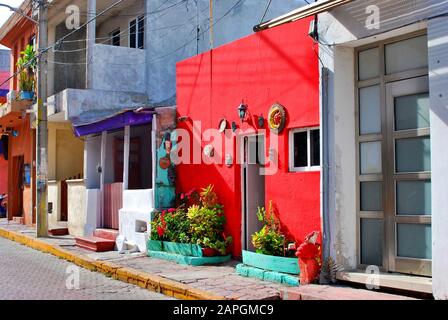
(21,145)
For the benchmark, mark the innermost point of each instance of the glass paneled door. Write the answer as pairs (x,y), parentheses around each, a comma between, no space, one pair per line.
(409,168)
(394,156)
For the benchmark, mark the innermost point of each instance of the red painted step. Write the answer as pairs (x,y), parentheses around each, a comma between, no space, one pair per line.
(95,243)
(58,231)
(110,234)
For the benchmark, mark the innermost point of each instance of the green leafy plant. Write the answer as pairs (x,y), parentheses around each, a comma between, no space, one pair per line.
(26,83)
(200,223)
(27,64)
(269,240)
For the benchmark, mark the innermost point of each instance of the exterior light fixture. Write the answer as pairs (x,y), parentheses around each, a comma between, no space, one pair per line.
(242,111)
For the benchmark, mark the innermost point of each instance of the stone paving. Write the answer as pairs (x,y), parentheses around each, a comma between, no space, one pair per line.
(29,274)
(221,279)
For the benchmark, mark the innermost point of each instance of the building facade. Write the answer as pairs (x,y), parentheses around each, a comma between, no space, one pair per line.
(4,89)
(15,125)
(386,129)
(252,165)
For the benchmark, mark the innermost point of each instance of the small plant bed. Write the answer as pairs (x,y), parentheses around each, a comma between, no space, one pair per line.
(193,232)
(273,259)
(183,253)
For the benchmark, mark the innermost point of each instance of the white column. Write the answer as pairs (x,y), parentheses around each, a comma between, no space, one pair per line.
(438,95)
(127,139)
(102,175)
(90,42)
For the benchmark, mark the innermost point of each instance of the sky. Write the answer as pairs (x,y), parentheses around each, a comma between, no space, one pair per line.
(5,12)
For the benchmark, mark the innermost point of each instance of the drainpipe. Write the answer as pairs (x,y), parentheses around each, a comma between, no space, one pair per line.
(325,166)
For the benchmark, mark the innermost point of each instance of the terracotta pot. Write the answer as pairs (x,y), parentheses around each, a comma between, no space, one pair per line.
(209,252)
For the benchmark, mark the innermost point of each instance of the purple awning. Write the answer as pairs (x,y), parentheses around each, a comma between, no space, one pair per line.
(118,121)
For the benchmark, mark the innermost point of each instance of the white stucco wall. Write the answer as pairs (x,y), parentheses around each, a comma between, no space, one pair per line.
(438,86)
(54,194)
(83,208)
(342,157)
(137,208)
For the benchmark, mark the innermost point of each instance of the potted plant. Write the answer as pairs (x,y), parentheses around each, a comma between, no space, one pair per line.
(26,85)
(271,252)
(27,66)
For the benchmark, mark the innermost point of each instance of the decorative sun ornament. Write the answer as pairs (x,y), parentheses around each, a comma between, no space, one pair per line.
(277,118)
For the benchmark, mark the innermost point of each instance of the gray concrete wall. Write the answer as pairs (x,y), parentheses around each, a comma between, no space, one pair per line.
(172,34)
(118,68)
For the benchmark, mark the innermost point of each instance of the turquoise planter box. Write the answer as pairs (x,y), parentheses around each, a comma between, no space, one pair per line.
(155,245)
(271,263)
(262,274)
(185,249)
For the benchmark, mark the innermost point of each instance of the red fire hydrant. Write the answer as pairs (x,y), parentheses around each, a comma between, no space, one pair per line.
(309,255)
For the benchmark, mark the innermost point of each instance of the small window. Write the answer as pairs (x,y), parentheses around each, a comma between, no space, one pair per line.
(137,32)
(304,147)
(115,38)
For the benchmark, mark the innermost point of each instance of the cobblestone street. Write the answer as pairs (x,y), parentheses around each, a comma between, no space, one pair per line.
(29,274)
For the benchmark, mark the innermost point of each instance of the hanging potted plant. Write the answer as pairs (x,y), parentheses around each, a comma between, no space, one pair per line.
(27,66)
(26,85)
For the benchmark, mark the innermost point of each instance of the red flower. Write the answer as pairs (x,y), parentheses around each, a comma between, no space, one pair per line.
(182,196)
(171,210)
(160,231)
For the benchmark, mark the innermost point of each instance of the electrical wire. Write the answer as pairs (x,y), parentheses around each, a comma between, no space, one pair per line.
(266,11)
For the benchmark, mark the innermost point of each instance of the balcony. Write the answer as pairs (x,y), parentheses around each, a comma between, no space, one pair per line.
(12,113)
(97,71)
(116,68)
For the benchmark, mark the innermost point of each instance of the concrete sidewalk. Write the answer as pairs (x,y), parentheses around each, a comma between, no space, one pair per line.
(179,281)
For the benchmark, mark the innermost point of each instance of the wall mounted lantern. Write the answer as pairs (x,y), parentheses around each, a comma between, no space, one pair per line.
(242,111)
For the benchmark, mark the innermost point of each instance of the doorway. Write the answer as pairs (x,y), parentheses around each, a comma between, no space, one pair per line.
(253,187)
(394,157)
(16,185)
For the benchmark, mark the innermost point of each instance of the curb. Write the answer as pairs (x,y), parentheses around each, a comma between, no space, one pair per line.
(139,278)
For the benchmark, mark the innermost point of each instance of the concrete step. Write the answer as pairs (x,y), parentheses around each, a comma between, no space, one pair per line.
(95,243)
(18,220)
(325,292)
(58,231)
(110,234)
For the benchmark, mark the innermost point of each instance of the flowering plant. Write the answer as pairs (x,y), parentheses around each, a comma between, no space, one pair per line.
(198,219)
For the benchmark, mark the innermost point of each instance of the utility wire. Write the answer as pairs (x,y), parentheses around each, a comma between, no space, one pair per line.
(266,11)
(202,33)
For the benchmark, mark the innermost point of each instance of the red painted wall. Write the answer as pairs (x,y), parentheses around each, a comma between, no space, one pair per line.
(277,65)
